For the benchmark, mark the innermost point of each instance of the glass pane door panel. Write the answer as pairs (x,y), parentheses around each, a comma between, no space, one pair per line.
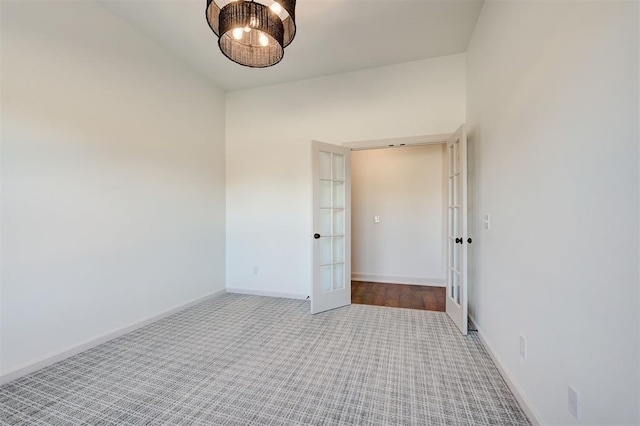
(456,158)
(325,193)
(325,278)
(325,250)
(325,222)
(338,249)
(452,251)
(325,165)
(338,194)
(450,190)
(456,287)
(338,167)
(450,283)
(454,230)
(338,222)
(338,276)
(450,219)
(450,156)
(456,190)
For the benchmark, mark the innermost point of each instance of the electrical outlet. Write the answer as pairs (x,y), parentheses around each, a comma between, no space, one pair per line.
(487,221)
(523,347)
(256,270)
(574,403)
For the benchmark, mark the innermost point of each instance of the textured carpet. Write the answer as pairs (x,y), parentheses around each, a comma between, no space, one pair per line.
(242,360)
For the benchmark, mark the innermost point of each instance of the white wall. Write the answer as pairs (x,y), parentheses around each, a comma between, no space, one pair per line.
(269,133)
(405,188)
(112,179)
(553,121)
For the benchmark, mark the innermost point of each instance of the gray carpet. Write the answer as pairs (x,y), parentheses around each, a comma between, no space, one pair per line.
(241,360)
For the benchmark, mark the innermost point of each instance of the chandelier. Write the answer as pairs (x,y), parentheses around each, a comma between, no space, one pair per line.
(253,33)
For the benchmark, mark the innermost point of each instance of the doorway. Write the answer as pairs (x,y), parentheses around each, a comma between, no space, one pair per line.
(398,211)
(331,248)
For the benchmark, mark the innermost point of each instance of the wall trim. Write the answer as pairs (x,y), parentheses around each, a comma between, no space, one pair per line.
(238,290)
(513,384)
(392,279)
(48,360)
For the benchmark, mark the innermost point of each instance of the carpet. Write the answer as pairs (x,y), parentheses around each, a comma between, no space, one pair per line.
(241,360)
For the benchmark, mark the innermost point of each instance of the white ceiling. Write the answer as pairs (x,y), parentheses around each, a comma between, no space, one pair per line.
(333,36)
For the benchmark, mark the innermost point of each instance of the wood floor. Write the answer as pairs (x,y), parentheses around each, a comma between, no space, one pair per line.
(399,295)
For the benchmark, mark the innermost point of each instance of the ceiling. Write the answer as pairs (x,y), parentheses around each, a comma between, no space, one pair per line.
(333,36)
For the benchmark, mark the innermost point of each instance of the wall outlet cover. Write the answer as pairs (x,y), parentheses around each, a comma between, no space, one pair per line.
(574,403)
(523,347)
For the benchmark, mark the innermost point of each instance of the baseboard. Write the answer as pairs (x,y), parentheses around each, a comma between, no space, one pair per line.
(48,360)
(517,391)
(238,290)
(391,279)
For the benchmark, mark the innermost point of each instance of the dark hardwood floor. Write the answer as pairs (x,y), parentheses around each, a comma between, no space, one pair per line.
(399,295)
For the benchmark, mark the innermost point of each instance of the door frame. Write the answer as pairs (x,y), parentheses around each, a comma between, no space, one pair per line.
(440,138)
(433,139)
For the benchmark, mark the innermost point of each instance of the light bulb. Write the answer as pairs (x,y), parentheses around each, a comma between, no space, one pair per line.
(247,29)
(276,8)
(237,33)
(263,39)
(253,22)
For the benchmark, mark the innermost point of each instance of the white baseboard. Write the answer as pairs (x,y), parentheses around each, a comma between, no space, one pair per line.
(391,279)
(48,360)
(238,290)
(513,384)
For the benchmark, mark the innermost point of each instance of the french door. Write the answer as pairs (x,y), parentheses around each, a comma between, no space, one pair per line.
(458,240)
(331,287)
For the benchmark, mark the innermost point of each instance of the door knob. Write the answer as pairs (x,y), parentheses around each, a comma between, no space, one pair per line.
(458,240)
(469,240)
(316,236)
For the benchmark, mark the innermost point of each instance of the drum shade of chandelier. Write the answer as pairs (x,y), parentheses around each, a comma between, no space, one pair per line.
(253,33)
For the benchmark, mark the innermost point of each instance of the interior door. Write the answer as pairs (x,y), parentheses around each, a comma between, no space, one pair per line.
(331,286)
(457,244)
